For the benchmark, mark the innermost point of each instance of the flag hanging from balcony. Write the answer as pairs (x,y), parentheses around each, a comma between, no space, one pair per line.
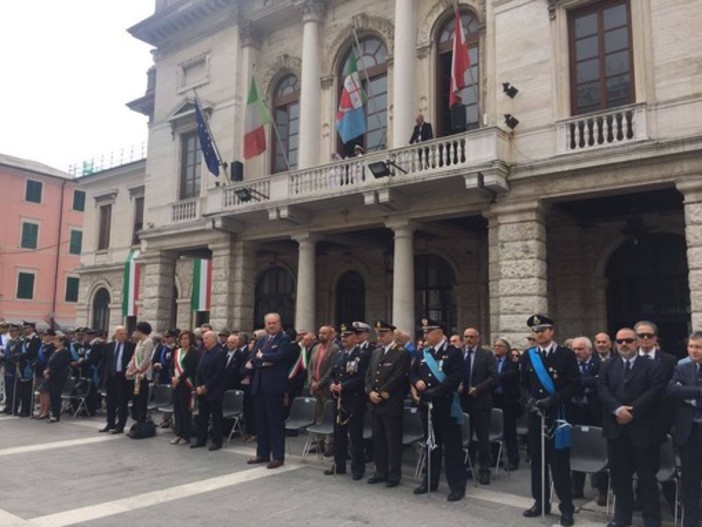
(206,144)
(130,290)
(460,62)
(351,117)
(202,284)
(256,118)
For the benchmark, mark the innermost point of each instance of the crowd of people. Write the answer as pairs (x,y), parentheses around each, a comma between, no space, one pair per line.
(630,388)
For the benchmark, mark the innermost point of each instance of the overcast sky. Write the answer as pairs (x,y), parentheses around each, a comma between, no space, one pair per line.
(67,68)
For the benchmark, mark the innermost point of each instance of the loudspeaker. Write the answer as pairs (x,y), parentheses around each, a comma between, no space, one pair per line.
(458,118)
(237,168)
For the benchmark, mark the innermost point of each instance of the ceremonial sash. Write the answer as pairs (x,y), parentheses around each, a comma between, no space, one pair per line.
(456,411)
(562,437)
(29,366)
(137,366)
(179,369)
(300,364)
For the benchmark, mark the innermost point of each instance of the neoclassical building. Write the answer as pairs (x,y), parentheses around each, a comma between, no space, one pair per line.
(579,195)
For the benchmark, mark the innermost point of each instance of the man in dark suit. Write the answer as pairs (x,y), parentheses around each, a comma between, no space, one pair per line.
(209,386)
(422,131)
(585,409)
(435,378)
(561,372)
(686,388)
(117,357)
(604,346)
(505,396)
(649,348)
(272,359)
(629,388)
(26,353)
(233,364)
(386,387)
(480,375)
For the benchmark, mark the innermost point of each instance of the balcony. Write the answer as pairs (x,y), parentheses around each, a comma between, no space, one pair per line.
(479,157)
(185,210)
(625,124)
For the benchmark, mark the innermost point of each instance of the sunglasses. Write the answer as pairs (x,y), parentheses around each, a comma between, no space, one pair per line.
(625,341)
(645,335)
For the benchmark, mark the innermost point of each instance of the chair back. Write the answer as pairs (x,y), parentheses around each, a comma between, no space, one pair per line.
(589,451)
(496,424)
(465,430)
(302,412)
(412,429)
(161,394)
(667,461)
(233,401)
(68,387)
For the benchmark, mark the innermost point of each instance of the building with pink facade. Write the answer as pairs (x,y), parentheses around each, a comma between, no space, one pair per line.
(41,240)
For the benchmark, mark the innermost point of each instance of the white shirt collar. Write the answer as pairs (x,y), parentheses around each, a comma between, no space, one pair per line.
(651,354)
(439,346)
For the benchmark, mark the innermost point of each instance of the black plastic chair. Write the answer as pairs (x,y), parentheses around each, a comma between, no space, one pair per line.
(302,415)
(465,429)
(233,408)
(325,427)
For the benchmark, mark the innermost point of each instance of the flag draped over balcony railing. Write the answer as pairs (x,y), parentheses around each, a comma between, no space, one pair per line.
(130,291)
(202,284)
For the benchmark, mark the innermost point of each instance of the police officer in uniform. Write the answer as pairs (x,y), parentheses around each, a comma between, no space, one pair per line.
(435,378)
(26,352)
(10,369)
(347,385)
(386,387)
(561,366)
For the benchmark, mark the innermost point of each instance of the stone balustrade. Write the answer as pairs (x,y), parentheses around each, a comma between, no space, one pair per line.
(601,129)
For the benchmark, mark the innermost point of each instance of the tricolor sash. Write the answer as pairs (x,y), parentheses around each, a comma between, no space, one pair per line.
(179,368)
(300,364)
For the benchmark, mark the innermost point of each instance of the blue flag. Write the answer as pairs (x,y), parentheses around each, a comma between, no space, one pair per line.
(206,146)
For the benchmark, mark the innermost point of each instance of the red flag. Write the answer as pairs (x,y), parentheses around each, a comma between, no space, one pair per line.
(459,63)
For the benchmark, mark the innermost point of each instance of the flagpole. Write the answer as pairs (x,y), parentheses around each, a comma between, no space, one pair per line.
(223,164)
(369,91)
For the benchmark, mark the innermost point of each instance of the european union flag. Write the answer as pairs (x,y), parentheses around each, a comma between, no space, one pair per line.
(203,134)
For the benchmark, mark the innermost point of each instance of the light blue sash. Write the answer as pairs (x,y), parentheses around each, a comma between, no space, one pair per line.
(561,438)
(456,410)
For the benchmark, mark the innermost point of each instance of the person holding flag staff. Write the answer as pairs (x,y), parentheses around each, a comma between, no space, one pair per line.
(435,377)
(183,369)
(549,378)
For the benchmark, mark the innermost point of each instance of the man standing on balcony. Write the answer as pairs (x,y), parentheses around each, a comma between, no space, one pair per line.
(422,131)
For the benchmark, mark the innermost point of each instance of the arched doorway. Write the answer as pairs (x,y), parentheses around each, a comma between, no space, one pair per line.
(275,292)
(648,280)
(350,298)
(101,310)
(434,294)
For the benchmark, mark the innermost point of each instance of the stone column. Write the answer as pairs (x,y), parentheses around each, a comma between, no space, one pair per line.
(222,296)
(244,282)
(691,189)
(157,284)
(403,72)
(305,307)
(310,85)
(250,37)
(403,275)
(517,268)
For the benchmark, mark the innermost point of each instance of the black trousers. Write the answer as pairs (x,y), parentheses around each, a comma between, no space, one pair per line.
(55,388)
(117,400)
(140,401)
(352,429)
(510,413)
(93,399)
(270,424)
(557,460)
(183,417)
(449,445)
(480,429)
(387,445)
(691,460)
(9,393)
(624,459)
(207,408)
(23,398)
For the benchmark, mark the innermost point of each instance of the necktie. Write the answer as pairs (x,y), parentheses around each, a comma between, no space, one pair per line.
(469,366)
(230,356)
(583,368)
(627,368)
(544,353)
(118,359)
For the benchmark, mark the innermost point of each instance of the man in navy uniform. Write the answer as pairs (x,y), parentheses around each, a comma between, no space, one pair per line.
(386,387)
(10,368)
(549,379)
(436,376)
(26,353)
(346,384)
(271,360)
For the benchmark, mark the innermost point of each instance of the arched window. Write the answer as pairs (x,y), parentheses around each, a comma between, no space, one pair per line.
(464,116)
(275,291)
(101,310)
(350,297)
(372,66)
(286,114)
(434,294)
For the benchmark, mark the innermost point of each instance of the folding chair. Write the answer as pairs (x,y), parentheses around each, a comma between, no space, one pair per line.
(69,394)
(495,435)
(668,471)
(324,428)
(160,396)
(233,408)
(413,435)
(302,415)
(589,451)
(465,429)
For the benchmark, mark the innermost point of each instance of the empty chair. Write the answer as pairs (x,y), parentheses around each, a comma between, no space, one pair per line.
(495,435)
(324,428)
(589,451)
(70,393)
(367,426)
(465,429)
(413,435)
(302,413)
(233,408)
(668,471)
(160,397)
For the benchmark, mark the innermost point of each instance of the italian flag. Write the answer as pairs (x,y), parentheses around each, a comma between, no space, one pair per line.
(256,118)
(460,62)
(202,285)
(130,291)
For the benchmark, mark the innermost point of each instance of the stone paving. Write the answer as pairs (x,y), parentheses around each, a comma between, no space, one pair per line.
(68,474)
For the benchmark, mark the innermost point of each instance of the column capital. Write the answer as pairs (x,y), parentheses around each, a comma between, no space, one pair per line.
(516,211)
(312,10)
(151,257)
(690,187)
(250,34)
(402,224)
(306,237)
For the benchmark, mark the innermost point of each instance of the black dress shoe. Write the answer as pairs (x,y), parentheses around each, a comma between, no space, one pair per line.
(615,524)
(391,484)
(106,429)
(484,478)
(197,445)
(567,519)
(535,511)
(376,479)
(332,471)
(118,431)
(602,500)
(422,489)
(455,496)
(214,447)
(356,477)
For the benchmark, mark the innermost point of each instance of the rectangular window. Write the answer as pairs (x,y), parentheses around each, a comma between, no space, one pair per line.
(33,191)
(601,61)
(25,286)
(138,219)
(78,200)
(72,289)
(105,226)
(75,244)
(30,235)
(189,166)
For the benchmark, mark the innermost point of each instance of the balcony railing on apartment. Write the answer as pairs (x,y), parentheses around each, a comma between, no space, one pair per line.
(185,210)
(116,158)
(595,130)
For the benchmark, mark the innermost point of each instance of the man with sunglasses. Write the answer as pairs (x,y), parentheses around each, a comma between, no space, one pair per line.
(550,378)
(629,387)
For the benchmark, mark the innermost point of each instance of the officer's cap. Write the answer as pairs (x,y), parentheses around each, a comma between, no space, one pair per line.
(361,327)
(429,324)
(537,322)
(381,326)
(172,333)
(346,329)
(27,324)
